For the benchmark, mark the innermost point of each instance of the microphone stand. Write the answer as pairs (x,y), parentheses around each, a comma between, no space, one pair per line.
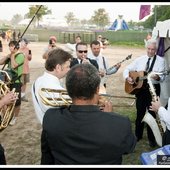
(29,24)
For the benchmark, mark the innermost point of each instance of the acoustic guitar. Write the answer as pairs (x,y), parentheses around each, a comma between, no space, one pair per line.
(138,78)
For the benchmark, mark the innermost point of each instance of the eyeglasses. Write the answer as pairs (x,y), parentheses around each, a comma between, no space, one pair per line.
(80,51)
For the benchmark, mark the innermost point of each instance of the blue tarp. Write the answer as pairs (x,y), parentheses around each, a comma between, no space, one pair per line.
(114,26)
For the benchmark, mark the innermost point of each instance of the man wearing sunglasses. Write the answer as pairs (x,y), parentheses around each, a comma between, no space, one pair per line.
(81,52)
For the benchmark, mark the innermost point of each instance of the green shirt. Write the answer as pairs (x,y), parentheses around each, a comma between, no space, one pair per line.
(19,58)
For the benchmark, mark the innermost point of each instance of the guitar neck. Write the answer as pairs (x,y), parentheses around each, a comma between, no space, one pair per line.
(127,58)
(121,61)
(143,78)
(111,70)
(118,63)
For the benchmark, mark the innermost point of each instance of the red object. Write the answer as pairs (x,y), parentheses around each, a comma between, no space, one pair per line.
(144,11)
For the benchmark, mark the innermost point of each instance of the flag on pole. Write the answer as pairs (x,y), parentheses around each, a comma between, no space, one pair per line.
(144,11)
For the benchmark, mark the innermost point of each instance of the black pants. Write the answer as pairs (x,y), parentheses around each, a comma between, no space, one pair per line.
(143,101)
(166,138)
(2,156)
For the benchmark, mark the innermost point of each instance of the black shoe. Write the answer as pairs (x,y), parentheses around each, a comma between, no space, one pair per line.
(138,139)
(152,144)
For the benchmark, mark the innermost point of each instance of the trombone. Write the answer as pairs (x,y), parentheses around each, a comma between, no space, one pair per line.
(60,97)
(120,97)
(103,93)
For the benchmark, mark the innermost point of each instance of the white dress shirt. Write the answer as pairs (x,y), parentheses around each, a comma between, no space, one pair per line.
(100,63)
(99,60)
(45,81)
(139,64)
(165,115)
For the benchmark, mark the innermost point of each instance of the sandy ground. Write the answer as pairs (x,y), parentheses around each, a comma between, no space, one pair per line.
(22,141)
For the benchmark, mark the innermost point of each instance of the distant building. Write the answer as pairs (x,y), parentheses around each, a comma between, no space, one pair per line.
(48,21)
(51,21)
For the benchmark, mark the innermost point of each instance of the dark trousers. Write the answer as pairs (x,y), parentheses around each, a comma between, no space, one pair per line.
(2,156)
(166,138)
(143,101)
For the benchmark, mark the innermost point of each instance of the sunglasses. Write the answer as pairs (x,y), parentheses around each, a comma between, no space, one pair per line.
(80,51)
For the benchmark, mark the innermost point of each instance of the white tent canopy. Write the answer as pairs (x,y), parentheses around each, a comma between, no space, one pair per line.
(162,30)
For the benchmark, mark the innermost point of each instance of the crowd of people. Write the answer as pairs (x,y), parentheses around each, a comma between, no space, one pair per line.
(87,130)
(16,64)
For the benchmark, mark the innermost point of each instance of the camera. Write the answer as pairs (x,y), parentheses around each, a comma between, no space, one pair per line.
(17,46)
(50,42)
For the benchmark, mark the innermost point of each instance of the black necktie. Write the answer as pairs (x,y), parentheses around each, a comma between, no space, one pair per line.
(79,61)
(147,64)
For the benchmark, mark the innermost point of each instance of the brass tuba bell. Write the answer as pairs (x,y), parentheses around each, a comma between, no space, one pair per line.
(6,112)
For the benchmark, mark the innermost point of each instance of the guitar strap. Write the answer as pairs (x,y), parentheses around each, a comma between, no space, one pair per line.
(8,60)
(152,64)
(104,63)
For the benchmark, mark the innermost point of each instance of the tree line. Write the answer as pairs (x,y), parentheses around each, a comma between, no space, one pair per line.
(99,18)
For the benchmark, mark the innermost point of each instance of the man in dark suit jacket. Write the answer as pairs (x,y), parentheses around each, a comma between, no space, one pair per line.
(82,133)
(81,52)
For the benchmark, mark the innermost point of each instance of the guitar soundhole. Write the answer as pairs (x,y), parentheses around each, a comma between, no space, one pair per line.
(137,80)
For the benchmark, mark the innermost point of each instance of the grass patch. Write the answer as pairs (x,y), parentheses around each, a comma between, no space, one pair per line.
(129,44)
(142,145)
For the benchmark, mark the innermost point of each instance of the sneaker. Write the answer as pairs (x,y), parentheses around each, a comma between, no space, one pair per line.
(13,121)
(24,99)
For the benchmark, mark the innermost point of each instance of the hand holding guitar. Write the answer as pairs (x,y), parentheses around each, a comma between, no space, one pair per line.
(101,72)
(135,81)
(118,65)
(130,80)
(115,67)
